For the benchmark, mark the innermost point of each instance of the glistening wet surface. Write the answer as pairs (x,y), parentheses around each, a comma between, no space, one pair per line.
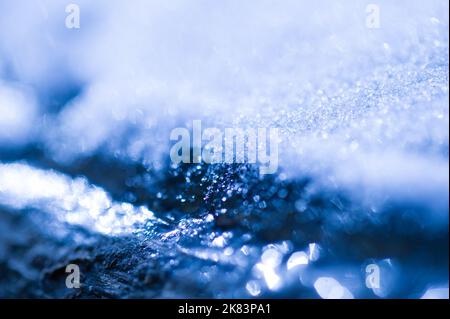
(358,204)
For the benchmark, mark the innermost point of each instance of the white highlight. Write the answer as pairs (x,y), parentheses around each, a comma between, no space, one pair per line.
(436,293)
(273,280)
(17,115)
(70,200)
(330,288)
(297,259)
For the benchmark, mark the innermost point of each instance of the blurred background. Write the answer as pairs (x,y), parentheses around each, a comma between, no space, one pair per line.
(358,90)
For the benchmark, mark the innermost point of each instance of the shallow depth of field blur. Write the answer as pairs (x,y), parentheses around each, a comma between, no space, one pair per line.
(86,178)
